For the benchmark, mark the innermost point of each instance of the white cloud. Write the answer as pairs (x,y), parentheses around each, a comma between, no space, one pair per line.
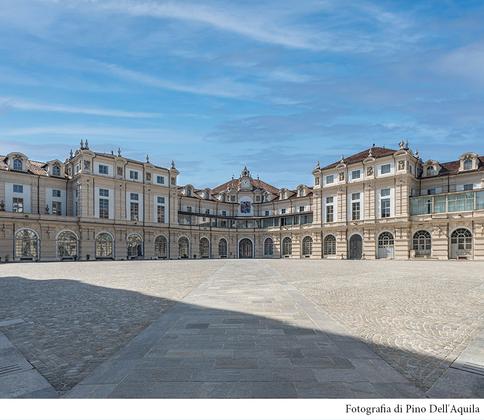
(26,105)
(466,62)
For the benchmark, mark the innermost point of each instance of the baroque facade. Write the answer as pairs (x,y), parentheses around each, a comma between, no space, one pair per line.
(378,203)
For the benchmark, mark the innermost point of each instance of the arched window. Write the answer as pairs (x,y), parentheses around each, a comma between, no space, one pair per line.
(161,247)
(461,243)
(385,245)
(17,164)
(422,243)
(183,248)
(468,164)
(329,245)
(104,245)
(222,248)
(268,247)
(307,246)
(135,246)
(56,170)
(204,248)
(286,247)
(26,245)
(67,245)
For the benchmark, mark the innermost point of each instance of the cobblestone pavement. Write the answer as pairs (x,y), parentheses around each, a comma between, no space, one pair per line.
(77,314)
(418,316)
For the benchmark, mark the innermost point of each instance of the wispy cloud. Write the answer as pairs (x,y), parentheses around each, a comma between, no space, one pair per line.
(26,105)
(466,63)
(222,87)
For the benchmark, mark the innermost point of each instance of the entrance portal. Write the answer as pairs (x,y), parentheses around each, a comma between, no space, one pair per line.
(355,248)
(246,248)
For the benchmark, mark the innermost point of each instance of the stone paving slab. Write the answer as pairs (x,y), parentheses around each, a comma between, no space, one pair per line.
(216,344)
(18,379)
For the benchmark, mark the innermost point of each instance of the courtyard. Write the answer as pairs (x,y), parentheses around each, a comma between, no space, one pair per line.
(246,328)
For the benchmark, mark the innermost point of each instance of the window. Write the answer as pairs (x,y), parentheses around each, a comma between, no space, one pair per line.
(134,196)
(56,193)
(103,169)
(329,179)
(17,164)
(462,239)
(57,207)
(224,213)
(148,176)
(385,202)
(18,189)
(103,208)
(207,211)
(161,200)
(18,205)
(87,165)
(301,209)
(356,174)
(307,246)
(266,213)
(286,247)
(283,211)
(104,245)
(232,198)
(204,246)
(385,169)
(56,170)
(173,180)
(133,175)
(26,245)
(135,246)
(120,171)
(422,243)
(468,164)
(160,213)
(189,209)
(257,198)
(461,202)
(329,209)
(431,171)
(161,247)
(431,191)
(133,211)
(160,179)
(103,192)
(66,245)
(385,245)
(468,187)
(329,245)
(183,247)
(355,210)
(268,247)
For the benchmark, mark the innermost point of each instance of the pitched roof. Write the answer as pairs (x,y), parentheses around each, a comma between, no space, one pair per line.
(235,183)
(376,152)
(452,167)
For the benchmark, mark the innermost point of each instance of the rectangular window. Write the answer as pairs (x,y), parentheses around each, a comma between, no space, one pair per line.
(355,211)
(56,193)
(266,213)
(18,205)
(18,189)
(329,179)
(468,187)
(103,192)
(160,214)
(103,169)
(329,200)
(301,208)
(134,211)
(189,209)
(104,208)
(133,175)
(431,191)
(355,196)
(134,196)
(385,207)
(224,213)
(161,200)
(160,179)
(329,213)
(57,207)
(356,174)
(232,198)
(385,169)
(283,211)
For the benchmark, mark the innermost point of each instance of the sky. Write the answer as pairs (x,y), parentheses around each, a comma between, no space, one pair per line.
(215,85)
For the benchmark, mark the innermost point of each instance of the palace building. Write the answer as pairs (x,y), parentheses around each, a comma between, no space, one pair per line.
(378,203)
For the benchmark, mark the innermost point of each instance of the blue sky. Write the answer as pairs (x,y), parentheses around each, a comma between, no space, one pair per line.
(215,85)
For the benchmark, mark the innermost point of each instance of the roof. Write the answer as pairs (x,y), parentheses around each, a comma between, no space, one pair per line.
(452,167)
(235,183)
(376,152)
(34,167)
(109,155)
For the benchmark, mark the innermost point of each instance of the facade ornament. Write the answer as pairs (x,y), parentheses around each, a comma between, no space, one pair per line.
(147,159)
(119,152)
(417,155)
(86,145)
(71,155)
(370,154)
(172,164)
(402,144)
(112,152)
(82,144)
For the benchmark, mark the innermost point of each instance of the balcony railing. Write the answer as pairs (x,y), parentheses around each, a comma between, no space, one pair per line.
(447,203)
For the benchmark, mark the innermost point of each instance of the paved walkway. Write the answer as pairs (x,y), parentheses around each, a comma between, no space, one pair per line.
(250,335)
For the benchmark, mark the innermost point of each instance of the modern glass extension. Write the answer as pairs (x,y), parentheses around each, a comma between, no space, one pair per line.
(447,203)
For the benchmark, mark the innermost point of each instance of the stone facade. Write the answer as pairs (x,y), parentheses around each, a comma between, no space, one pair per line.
(379,203)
